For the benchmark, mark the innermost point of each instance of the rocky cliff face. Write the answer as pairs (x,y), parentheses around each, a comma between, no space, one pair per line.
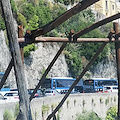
(5,58)
(35,64)
(106,70)
(39,60)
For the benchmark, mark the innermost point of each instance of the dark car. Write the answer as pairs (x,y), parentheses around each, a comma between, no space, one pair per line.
(39,93)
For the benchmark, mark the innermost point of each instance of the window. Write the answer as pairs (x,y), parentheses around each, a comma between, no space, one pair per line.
(115,88)
(106,4)
(89,82)
(64,83)
(113,7)
(46,84)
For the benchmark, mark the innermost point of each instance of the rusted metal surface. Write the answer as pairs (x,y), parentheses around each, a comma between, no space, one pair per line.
(65,16)
(20,35)
(62,39)
(111,35)
(6,73)
(47,70)
(24,109)
(76,81)
(117,48)
(95,25)
(72,39)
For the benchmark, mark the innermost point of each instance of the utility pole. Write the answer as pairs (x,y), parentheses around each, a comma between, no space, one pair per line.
(24,113)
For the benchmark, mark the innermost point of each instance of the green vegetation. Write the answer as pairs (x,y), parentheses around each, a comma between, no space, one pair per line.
(21,19)
(66,2)
(74,102)
(35,14)
(101,100)
(16,110)
(68,103)
(112,114)
(7,115)
(115,98)
(93,100)
(2,24)
(45,109)
(74,52)
(53,106)
(87,116)
(28,49)
(83,103)
(106,101)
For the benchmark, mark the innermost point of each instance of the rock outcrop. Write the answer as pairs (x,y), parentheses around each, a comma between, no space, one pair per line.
(35,64)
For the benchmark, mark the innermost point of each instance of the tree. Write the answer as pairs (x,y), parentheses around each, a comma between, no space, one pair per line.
(87,116)
(21,19)
(112,113)
(28,11)
(2,23)
(33,23)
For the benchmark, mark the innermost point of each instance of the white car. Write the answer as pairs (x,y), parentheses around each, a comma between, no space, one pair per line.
(51,93)
(12,96)
(110,89)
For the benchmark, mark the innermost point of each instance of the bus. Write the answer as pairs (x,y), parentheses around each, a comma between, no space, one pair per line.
(62,84)
(3,89)
(97,84)
(1,75)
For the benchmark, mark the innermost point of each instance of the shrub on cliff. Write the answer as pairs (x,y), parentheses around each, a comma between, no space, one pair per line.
(88,116)
(112,114)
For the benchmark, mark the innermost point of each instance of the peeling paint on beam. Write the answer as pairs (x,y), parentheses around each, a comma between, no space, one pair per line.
(95,25)
(65,16)
(60,39)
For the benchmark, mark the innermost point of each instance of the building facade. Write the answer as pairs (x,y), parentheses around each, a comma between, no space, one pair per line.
(106,8)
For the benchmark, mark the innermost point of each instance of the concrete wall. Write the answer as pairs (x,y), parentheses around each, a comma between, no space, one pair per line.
(7,106)
(75,104)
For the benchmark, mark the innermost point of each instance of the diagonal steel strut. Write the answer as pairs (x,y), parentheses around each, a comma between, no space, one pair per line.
(47,70)
(95,25)
(77,80)
(65,16)
(6,73)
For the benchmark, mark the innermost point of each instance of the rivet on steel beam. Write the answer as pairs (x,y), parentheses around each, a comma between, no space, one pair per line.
(70,35)
(117,36)
(111,35)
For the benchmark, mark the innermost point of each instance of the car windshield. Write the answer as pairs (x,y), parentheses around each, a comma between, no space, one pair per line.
(115,87)
(107,88)
(1,96)
(11,94)
(48,91)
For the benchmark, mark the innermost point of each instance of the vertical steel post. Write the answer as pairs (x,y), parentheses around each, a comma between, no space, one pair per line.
(24,109)
(77,80)
(117,48)
(20,35)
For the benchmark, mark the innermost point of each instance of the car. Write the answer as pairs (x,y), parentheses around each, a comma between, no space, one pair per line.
(51,92)
(39,93)
(63,91)
(110,89)
(12,96)
(2,99)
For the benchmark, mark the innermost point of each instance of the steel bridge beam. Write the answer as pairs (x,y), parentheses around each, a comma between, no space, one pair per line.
(76,81)
(95,25)
(65,16)
(60,39)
